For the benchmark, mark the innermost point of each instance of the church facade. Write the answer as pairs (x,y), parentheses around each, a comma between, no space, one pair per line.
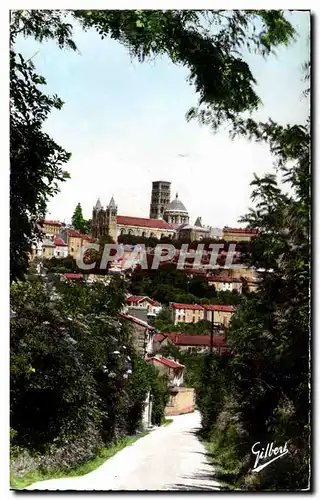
(168,219)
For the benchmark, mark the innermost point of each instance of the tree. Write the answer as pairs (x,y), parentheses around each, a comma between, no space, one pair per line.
(87,226)
(263,392)
(78,221)
(35,159)
(209,43)
(69,369)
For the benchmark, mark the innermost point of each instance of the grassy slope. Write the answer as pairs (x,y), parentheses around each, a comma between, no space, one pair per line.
(102,456)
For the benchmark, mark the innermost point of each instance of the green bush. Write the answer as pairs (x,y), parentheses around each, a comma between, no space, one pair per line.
(70,392)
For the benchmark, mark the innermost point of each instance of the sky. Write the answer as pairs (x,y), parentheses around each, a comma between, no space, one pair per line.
(124,123)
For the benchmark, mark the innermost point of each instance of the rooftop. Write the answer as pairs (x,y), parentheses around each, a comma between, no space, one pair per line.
(52,222)
(181,339)
(137,321)
(59,242)
(176,205)
(166,361)
(224,279)
(73,276)
(197,307)
(126,220)
(239,230)
(219,307)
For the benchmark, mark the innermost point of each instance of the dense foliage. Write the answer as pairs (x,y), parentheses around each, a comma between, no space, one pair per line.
(79,222)
(261,393)
(168,284)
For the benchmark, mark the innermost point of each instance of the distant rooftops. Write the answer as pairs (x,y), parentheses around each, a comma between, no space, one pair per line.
(166,361)
(52,222)
(239,230)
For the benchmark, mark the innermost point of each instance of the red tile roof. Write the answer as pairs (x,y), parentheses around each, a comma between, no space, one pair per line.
(167,362)
(137,321)
(73,233)
(140,222)
(85,237)
(224,279)
(59,242)
(73,276)
(239,230)
(135,299)
(52,222)
(155,303)
(195,340)
(219,307)
(193,307)
(159,337)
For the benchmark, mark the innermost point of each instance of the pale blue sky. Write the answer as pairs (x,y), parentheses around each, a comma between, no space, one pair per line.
(124,123)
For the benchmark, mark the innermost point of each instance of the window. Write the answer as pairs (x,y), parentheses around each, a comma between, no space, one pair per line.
(172,401)
(72,249)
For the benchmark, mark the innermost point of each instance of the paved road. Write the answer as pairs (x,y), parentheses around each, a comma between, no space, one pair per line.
(169,458)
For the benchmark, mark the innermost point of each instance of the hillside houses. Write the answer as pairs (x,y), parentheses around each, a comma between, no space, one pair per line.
(192,313)
(194,343)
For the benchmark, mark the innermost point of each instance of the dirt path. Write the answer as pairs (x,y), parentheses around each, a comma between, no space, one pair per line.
(169,458)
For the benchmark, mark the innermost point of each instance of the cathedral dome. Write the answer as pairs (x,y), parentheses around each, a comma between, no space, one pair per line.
(176,206)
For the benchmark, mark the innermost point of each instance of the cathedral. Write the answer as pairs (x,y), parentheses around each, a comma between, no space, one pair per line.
(167,219)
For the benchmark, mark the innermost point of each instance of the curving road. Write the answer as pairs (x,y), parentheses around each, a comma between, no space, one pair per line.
(169,458)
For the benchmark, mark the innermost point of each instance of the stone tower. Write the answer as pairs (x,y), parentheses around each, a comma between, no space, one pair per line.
(160,198)
(111,215)
(104,221)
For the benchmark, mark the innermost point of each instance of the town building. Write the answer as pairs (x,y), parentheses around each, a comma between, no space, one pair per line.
(218,313)
(238,234)
(152,307)
(171,368)
(74,240)
(47,248)
(192,313)
(194,343)
(250,285)
(182,399)
(51,227)
(61,248)
(146,228)
(143,335)
(225,283)
(186,313)
(196,232)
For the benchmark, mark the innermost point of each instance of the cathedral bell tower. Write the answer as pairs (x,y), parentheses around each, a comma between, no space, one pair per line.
(104,221)
(111,216)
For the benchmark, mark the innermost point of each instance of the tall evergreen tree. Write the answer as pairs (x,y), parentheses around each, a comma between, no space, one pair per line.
(78,221)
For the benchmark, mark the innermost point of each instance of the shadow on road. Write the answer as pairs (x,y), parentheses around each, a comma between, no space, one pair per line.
(183,487)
